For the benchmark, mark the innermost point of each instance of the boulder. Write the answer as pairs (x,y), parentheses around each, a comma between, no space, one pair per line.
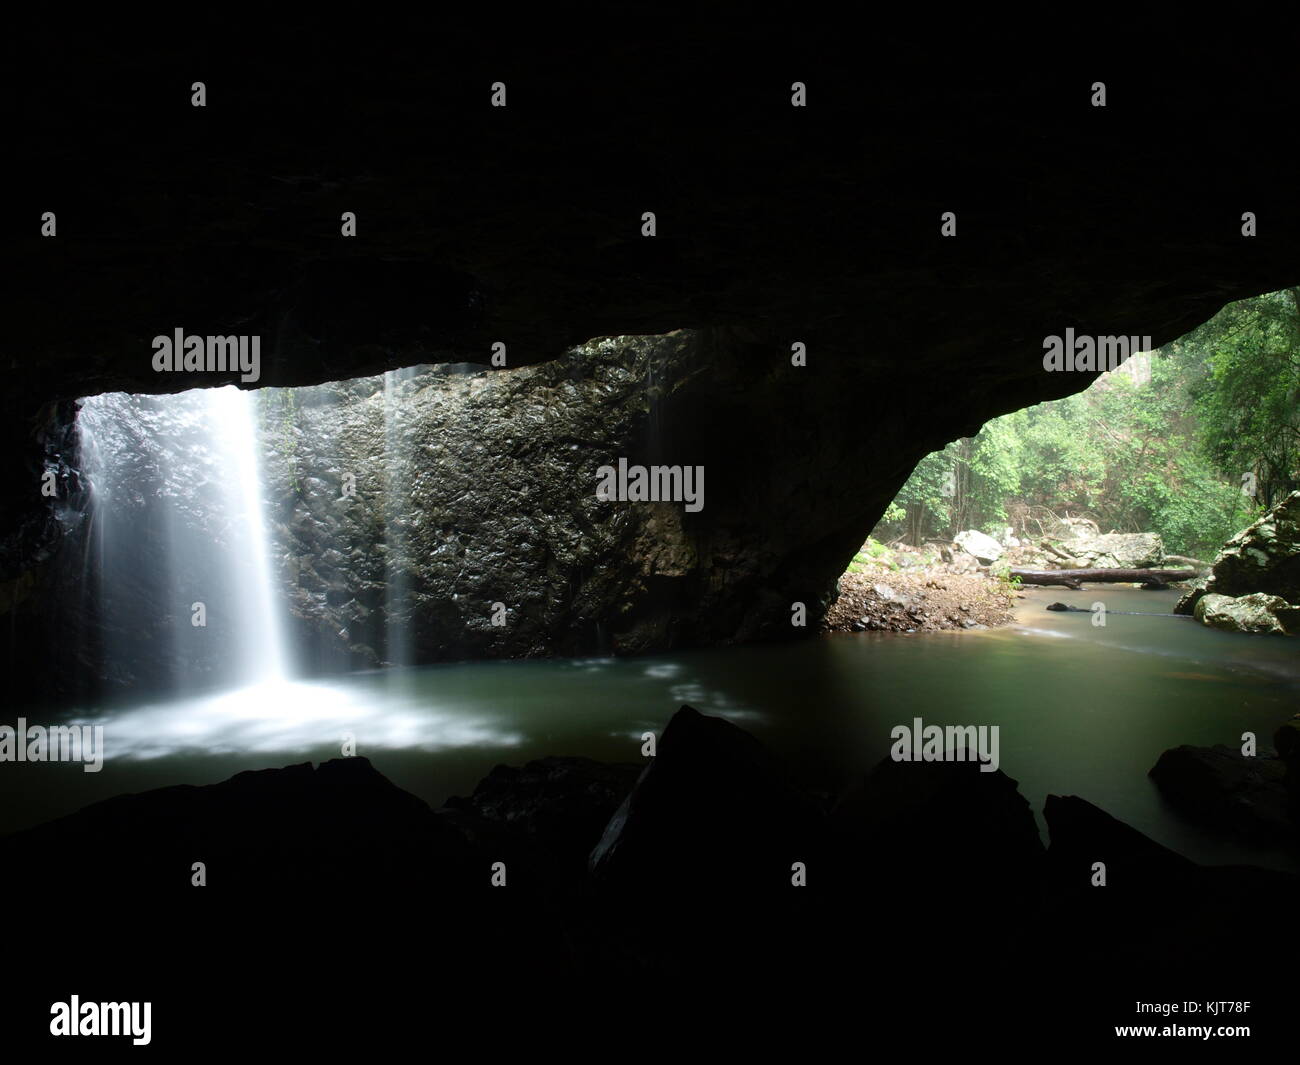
(1264,557)
(714,867)
(1092,550)
(313,876)
(940,827)
(1193,591)
(1256,612)
(1222,787)
(1157,912)
(559,805)
(1287,741)
(980,545)
(334,830)
(1083,834)
(714,812)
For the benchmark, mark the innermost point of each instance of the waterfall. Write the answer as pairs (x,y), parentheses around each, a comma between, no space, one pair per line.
(233,430)
(186,596)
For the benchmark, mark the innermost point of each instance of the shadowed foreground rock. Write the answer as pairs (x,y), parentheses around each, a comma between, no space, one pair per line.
(928,885)
(1158,914)
(335,829)
(1222,787)
(940,828)
(551,812)
(713,813)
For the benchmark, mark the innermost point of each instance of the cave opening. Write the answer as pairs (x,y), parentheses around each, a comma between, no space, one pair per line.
(573,598)
(392,564)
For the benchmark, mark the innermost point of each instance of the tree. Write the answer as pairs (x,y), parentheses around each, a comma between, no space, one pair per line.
(1166,454)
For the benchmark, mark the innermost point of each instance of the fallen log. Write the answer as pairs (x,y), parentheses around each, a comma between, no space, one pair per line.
(1074,578)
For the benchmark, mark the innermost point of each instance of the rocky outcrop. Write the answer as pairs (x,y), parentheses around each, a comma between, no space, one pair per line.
(1264,557)
(1256,612)
(404,510)
(479,488)
(922,600)
(1254,583)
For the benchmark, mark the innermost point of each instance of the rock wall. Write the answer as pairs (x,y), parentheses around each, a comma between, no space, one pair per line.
(477,487)
(404,508)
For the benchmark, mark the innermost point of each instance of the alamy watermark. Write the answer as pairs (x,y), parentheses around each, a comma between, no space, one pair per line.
(1088,353)
(211,354)
(56,743)
(652,484)
(951,743)
(102,1018)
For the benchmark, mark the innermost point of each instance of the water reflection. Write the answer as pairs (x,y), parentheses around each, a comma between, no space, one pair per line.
(1076,717)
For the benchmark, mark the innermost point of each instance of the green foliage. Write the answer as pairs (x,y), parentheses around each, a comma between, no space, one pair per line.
(1007,585)
(1166,455)
(872,551)
(1248,394)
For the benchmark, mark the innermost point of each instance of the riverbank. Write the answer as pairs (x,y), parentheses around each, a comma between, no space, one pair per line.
(908,590)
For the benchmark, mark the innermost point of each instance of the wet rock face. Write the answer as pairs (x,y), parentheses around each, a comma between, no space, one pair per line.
(405,509)
(432,514)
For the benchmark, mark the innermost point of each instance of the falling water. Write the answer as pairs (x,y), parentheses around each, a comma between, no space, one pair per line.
(234,432)
(186,591)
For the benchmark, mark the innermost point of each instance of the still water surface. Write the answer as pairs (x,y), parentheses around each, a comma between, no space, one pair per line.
(1082,710)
